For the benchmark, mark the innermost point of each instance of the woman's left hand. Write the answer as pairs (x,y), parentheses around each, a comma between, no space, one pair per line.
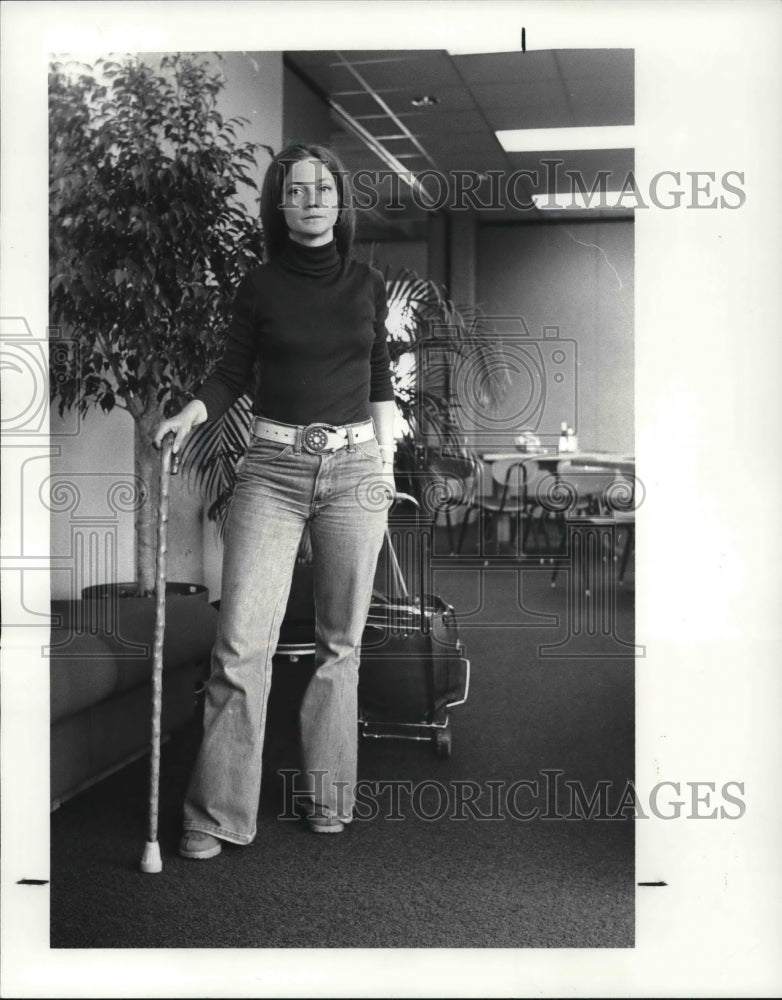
(387,481)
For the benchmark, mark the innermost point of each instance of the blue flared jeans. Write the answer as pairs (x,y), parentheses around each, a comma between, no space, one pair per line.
(280,489)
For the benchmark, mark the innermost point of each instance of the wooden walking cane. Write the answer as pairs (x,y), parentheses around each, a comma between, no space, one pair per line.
(151,862)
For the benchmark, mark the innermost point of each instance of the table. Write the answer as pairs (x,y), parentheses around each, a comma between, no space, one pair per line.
(602,459)
(550,464)
(548,460)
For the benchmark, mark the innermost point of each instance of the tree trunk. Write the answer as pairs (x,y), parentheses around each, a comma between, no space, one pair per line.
(147,462)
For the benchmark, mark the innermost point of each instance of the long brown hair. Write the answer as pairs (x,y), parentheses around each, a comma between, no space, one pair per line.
(275,229)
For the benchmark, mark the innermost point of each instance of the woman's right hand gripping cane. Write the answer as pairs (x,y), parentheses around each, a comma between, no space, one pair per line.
(190,416)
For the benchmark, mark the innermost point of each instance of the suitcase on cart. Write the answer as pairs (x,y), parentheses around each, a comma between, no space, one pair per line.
(413,670)
(413,667)
(413,664)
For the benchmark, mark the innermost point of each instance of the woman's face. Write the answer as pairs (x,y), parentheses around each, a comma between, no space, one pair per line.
(310,203)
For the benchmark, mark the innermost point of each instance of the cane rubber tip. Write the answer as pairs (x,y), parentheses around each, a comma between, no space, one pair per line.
(151,862)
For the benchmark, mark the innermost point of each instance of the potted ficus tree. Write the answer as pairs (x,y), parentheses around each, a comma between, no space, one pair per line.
(148,239)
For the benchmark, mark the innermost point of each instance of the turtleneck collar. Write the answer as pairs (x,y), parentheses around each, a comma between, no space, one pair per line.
(315,261)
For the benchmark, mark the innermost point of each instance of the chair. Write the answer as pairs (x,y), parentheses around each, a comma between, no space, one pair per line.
(595,497)
(536,517)
(451,485)
(510,497)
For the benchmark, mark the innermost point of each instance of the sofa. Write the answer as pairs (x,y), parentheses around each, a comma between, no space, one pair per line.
(100,681)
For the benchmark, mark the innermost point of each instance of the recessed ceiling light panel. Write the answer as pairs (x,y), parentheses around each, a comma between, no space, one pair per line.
(538,140)
(579,201)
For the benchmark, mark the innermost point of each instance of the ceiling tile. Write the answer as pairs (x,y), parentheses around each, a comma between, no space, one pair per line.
(400,100)
(597,64)
(551,113)
(334,78)
(424,123)
(402,145)
(309,58)
(603,102)
(507,67)
(426,70)
(449,143)
(414,162)
(524,106)
(518,95)
(380,124)
(380,69)
(358,105)
(477,160)
(375,55)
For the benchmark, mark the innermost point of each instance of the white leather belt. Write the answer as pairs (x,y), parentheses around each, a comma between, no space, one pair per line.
(313,438)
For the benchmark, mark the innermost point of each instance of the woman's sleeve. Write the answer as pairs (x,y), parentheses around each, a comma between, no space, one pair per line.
(233,373)
(381,388)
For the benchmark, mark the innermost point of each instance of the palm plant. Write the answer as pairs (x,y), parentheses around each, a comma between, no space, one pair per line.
(432,344)
(429,338)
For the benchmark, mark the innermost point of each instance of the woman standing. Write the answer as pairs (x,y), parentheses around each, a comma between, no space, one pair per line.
(321,447)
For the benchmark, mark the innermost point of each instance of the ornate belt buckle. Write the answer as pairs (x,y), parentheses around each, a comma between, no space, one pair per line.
(315,437)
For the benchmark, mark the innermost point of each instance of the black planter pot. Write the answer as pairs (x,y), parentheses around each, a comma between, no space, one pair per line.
(101,591)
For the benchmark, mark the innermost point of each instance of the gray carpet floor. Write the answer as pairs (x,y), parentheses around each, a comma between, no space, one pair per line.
(551,701)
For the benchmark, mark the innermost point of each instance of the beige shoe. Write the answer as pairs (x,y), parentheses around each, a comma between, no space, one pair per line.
(321,822)
(199,846)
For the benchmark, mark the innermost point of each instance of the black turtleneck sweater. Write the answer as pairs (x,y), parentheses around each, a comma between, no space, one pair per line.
(316,323)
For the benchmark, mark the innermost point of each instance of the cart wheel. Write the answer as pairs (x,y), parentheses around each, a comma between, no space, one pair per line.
(442,742)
